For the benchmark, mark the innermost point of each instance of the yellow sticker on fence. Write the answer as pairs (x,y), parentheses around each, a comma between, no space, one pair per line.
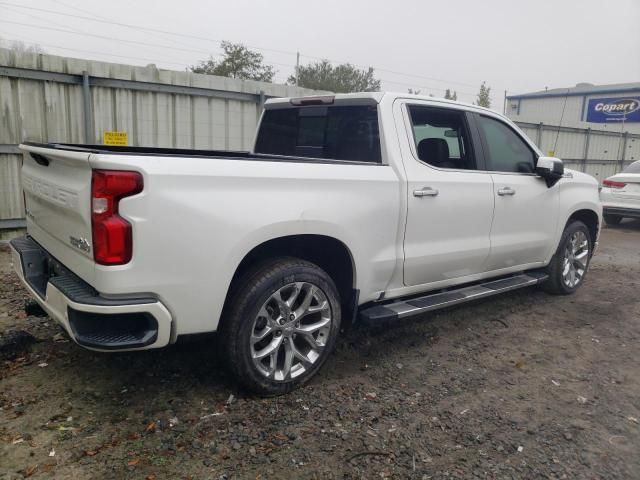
(115,138)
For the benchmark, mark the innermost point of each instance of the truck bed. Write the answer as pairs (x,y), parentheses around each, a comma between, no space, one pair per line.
(186,152)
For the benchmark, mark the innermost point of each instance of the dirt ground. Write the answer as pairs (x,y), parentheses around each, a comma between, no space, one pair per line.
(525,385)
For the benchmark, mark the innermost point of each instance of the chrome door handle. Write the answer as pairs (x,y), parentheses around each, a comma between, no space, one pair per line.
(426,192)
(506,191)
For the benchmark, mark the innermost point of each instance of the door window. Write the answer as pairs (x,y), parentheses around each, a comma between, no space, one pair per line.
(442,138)
(506,151)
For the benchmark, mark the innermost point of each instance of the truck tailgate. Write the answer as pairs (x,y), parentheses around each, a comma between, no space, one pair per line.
(57,191)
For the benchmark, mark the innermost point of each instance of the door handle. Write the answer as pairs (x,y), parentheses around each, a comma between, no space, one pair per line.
(426,192)
(506,191)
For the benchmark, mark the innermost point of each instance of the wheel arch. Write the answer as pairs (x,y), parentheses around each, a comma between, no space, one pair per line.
(329,253)
(590,218)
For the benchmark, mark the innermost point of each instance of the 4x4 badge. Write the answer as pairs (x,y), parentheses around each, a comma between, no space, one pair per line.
(80,243)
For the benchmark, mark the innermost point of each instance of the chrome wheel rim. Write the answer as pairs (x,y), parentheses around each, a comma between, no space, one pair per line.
(576,257)
(290,331)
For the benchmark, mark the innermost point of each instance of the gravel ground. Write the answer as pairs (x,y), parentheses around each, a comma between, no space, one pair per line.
(525,385)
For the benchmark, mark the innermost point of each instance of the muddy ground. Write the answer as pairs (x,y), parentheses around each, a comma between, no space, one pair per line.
(526,385)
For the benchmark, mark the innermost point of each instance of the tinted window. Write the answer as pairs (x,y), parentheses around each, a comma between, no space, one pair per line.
(633,168)
(441,137)
(507,152)
(341,133)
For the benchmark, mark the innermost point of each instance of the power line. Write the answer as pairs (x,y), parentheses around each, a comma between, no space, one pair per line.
(104,37)
(183,65)
(151,45)
(197,37)
(58,2)
(135,42)
(48,45)
(390,71)
(32,16)
(135,27)
(75,32)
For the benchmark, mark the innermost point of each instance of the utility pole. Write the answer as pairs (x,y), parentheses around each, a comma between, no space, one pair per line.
(297,66)
(504,104)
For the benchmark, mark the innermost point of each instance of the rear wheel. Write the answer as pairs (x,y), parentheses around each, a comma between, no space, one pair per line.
(569,265)
(612,219)
(281,325)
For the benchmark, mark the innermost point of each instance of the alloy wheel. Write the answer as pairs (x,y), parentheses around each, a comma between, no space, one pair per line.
(290,331)
(576,258)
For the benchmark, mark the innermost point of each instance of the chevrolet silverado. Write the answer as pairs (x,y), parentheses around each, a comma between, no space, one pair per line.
(370,206)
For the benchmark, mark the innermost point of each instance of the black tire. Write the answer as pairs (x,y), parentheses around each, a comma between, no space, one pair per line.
(612,219)
(556,283)
(249,294)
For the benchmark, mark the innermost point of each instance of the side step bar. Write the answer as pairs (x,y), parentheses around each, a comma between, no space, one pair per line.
(416,306)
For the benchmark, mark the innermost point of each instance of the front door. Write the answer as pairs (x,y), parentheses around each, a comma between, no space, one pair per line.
(449,197)
(526,210)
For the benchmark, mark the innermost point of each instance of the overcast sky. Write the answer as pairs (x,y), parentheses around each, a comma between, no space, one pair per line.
(517,45)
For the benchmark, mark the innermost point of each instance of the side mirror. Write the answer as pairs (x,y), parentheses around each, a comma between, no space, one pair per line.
(551,169)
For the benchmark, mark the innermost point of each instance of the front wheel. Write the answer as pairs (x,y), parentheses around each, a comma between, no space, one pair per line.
(281,324)
(569,265)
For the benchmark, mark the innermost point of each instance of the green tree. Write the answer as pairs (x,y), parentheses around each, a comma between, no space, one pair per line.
(344,78)
(484,96)
(450,96)
(413,91)
(237,62)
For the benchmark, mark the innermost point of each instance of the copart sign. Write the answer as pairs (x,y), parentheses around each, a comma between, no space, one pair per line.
(621,109)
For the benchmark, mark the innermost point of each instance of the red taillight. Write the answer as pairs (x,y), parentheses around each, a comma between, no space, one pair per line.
(112,239)
(613,184)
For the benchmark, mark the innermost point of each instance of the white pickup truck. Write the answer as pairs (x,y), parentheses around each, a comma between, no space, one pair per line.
(371,206)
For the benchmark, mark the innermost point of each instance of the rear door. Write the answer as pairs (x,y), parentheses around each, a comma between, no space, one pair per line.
(526,210)
(57,194)
(449,196)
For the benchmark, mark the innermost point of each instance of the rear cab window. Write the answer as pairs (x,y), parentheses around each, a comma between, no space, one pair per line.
(348,132)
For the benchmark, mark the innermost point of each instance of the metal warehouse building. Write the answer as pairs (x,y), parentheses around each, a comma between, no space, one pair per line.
(595,129)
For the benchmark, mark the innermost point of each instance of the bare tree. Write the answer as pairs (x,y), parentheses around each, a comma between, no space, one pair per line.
(21,47)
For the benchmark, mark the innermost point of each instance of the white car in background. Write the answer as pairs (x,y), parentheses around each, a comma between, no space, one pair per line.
(620,195)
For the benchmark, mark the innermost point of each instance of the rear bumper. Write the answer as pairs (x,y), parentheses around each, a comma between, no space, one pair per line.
(622,211)
(95,321)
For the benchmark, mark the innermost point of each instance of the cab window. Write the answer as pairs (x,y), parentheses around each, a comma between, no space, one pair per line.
(441,137)
(505,150)
(336,132)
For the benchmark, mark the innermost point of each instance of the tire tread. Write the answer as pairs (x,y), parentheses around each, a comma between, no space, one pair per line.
(240,300)
(554,284)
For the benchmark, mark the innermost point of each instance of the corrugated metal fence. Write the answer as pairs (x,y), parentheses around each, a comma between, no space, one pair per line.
(600,153)
(46,98)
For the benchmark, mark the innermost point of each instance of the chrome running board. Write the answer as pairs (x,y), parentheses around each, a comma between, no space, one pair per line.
(403,308)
